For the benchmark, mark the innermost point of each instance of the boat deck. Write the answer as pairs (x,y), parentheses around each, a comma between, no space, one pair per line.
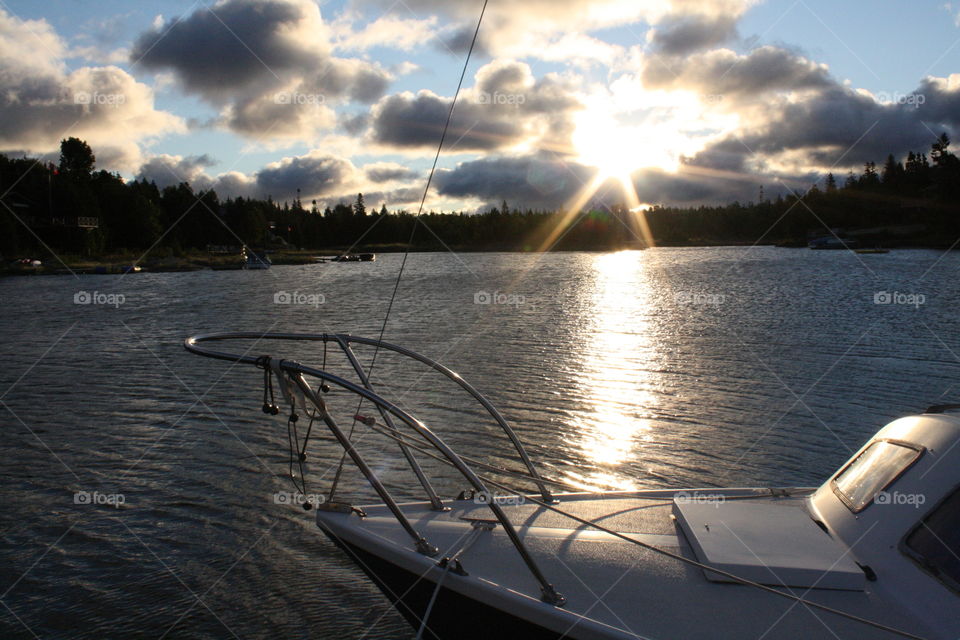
(613,588)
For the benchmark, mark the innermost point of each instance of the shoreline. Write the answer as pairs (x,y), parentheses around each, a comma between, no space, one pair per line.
(117,265)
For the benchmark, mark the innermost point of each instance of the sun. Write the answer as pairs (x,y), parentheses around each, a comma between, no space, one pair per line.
(617,148)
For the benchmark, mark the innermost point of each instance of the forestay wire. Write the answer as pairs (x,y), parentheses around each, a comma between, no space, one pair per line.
(413,231)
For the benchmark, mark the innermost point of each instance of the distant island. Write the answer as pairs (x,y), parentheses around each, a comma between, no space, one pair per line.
(84,214)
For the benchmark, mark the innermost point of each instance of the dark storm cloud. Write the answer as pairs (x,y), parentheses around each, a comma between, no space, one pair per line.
(683,34)
(267,63)
(226,47)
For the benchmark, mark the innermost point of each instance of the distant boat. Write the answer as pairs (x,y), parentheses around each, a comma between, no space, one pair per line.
(256,260)
(833,242)
(355,257)
(874,250)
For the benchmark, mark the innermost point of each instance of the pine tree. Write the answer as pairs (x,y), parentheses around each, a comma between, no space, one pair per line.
(831,183)
(892,176)
(938,151)
(869,179)
(359,209)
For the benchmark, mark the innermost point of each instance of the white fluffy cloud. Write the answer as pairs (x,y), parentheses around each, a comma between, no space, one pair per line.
(41,102)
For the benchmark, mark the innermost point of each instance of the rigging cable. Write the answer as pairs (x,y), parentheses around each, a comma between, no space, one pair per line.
(413,230)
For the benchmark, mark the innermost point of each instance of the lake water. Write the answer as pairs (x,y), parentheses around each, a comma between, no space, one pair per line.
(661,368)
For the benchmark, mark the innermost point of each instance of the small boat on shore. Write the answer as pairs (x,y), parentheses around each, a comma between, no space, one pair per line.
(255,260)
(833,242)
(874,250)
(354,257)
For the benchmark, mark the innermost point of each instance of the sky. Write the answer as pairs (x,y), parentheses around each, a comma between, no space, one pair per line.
(570,103)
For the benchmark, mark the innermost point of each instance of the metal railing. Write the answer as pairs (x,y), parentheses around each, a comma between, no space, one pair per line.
(388,411)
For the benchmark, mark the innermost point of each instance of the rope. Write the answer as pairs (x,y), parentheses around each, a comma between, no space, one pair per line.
(413,230)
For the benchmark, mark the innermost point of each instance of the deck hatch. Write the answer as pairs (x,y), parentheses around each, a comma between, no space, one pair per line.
(770,541)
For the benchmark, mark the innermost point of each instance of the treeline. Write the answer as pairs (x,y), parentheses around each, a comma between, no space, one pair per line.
(914,201)
(72,208)
(54,206)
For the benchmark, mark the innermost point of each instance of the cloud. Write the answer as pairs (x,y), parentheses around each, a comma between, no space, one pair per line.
(267,64)
(506,107)
(835,126)
(399,198)
(388,31)
(533,180)
(408,120)
(166,170)
(543,181)
(533,28)
(41,102)
(389,171)
(727,76)
(315,174)
(941,99)
(684,34)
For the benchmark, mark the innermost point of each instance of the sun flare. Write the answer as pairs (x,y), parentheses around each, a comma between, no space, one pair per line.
(617,149)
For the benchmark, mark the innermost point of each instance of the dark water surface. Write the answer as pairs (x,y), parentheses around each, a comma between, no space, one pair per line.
(662,368)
